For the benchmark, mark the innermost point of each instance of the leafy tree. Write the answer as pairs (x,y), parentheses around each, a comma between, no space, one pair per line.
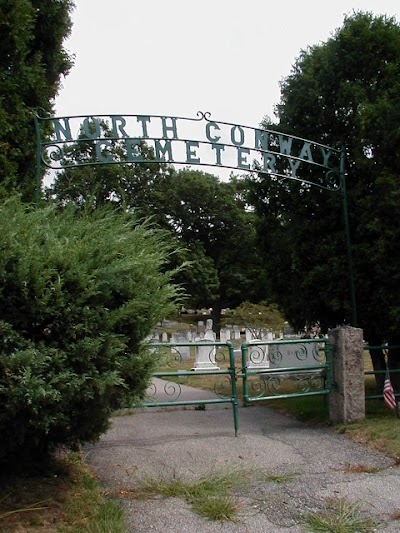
(32,61)
(80,292)
(209,217)
(342,92)
(131,186)
(206,217)
(257,317)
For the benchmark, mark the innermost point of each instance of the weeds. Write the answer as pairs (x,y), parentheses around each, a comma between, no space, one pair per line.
(210,496)
(340,516)
(222,507)
(69,501)
(278,478)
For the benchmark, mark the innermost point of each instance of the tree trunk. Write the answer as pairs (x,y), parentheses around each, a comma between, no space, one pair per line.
(216,317)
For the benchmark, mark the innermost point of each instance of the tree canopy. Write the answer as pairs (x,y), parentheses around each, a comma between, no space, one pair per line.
(209,218)
(344,92)
(32,62)
(206,217)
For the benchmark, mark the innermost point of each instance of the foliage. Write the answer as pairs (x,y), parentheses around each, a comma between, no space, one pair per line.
(80,292)
(68,495)
(259,317)
(32,62)
(342,92)
(133,186)
(209,217)
(205,216)
(210,496)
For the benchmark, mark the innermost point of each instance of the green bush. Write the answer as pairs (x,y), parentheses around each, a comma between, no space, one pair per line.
(79,293)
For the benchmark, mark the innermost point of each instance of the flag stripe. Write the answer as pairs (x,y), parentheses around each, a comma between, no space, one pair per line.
(388,393)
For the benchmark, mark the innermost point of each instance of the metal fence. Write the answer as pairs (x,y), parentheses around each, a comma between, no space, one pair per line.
(380,374)
(178,361)
(268,370)
(285,369)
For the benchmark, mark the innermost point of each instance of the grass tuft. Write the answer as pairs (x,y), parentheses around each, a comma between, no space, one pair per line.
(210,496)
(278,478)
(222,507)
(340,517)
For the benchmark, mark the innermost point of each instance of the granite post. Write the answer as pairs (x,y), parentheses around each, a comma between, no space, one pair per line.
(347,399)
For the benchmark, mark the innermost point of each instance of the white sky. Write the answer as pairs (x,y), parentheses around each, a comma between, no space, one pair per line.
(177,57)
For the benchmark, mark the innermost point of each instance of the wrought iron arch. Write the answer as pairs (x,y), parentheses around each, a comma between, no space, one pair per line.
(120,139)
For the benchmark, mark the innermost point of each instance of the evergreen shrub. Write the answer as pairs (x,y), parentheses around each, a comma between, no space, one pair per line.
(79,293)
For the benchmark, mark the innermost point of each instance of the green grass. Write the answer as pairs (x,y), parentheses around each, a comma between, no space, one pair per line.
(67,499)
(220,507)
(379,430)
(310,409)
(278,478)
(340,516)
(210,496)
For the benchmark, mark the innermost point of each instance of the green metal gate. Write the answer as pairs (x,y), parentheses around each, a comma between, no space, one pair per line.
(285,369)
(178,361)
(268,369)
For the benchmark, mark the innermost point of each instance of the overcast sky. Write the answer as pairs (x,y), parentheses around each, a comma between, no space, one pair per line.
(178,57)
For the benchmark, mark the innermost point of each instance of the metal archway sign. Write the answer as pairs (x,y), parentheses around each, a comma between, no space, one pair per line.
(201,141)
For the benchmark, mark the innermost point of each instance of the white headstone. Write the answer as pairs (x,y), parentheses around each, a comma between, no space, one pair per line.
(181,353)
(153,339)
(257,356)
(205,355)
(236,333)
(225,335)
(248,334)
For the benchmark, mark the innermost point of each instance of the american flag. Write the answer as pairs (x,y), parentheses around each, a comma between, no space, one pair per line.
(388,393)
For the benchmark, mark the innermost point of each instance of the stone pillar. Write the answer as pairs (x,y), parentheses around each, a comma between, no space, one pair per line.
(347,399)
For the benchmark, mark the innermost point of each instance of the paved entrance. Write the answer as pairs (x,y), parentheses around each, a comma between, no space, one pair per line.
(315,464)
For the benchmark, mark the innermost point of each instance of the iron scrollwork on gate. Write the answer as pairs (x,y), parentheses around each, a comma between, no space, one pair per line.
(287,369)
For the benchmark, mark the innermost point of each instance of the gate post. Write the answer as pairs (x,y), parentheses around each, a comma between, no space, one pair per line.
(347,398)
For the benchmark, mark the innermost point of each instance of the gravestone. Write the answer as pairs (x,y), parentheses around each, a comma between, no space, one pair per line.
(268,336)
(249,333)
(182,353)
(257,354)
(205,355)
(236,333)
(225,335)
(153,339)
